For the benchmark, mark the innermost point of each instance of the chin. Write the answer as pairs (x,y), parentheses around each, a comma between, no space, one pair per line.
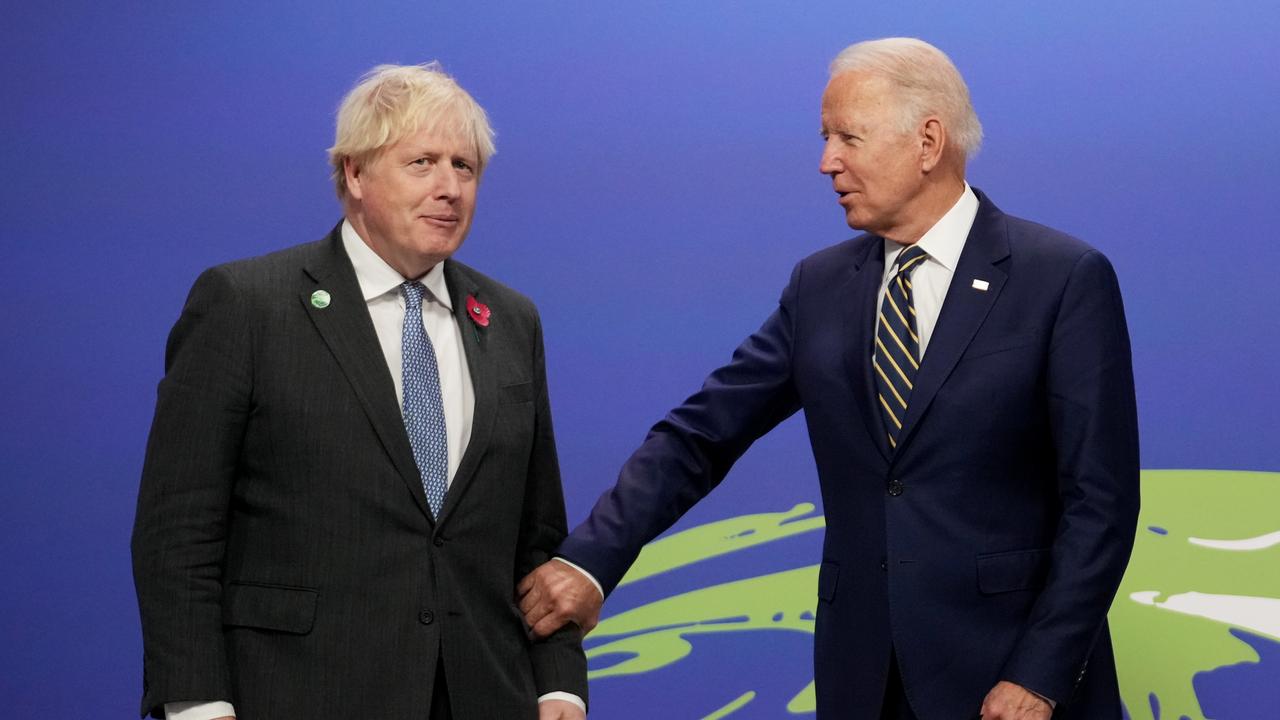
(438,246)
(855,222)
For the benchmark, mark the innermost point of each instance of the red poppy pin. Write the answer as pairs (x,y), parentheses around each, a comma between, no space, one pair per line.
(478,311)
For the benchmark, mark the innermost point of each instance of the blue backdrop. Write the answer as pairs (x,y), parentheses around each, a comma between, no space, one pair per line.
(656,178)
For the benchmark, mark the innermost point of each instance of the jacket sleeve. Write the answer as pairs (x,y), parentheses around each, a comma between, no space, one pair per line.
(687,454)
(1093,420)
(559,664)
(180,528)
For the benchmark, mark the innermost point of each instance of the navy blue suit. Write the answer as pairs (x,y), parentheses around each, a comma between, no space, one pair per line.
(989,546)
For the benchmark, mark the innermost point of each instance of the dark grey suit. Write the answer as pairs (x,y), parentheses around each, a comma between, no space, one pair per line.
(284,555)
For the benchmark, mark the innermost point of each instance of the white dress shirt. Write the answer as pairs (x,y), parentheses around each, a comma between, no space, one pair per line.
(380,286)
(932,276)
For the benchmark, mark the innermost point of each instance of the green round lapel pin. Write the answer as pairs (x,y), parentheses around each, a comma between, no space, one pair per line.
(320,299)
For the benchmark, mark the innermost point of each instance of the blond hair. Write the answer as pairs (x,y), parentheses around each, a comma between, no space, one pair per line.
(391,102)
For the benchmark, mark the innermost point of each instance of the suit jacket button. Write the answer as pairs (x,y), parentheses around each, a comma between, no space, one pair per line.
(439,542)
(895,488)
(425,617)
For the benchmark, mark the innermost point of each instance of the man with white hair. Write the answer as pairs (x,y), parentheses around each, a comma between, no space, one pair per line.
(967,384)
(352,459)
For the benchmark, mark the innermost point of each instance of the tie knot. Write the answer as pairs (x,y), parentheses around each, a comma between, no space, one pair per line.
(911,257)
(412,291)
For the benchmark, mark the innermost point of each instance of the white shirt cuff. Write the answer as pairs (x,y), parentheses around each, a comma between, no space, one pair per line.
(198,710)
(567,697)
(589,576)
(1052,704)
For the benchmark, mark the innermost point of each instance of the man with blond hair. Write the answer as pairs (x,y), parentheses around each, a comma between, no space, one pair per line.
(966,380)
(352,459)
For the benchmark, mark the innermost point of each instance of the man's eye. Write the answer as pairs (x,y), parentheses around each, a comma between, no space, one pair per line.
(462,165)
(421,161)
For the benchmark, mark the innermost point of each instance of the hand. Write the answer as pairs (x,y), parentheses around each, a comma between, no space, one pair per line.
(555,594)
(559,710)
(1008,701)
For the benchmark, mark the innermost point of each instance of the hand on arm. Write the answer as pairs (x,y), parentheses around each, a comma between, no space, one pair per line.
(555,594)
(1008,701)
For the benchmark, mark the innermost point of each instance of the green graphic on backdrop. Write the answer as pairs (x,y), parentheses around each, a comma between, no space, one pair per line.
(1205,560)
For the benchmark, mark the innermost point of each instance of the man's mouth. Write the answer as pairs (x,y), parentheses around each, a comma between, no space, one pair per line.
(441,220)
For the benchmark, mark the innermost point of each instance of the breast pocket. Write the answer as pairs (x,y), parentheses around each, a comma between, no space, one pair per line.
(269,607)
(983,347)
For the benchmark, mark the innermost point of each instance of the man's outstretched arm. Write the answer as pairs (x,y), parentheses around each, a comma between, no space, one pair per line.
(683,458)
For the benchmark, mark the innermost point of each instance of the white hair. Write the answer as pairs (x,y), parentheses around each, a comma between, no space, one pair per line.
(392,102)
(926,82)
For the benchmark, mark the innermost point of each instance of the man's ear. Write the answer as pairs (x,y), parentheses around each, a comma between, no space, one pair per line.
(933,141)
(352,171)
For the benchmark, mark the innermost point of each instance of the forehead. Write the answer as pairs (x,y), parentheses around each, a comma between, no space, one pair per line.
(439,137)
(856,96)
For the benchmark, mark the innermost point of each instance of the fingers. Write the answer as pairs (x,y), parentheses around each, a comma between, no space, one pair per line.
(527,582)
(537,601)
(529,599)
(554,595)
(537,617)
(550,615)
(547,626)
(1008,701)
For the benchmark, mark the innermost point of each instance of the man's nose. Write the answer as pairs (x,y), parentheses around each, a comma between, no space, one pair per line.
(830,163)
(448,186)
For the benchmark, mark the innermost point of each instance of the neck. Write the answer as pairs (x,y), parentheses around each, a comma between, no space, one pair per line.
(929,207)
(409,268)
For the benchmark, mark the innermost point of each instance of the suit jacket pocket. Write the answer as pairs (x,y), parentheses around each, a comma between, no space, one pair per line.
(981,347)
(517,393)
(828,576)
(269,607)
(1015,570)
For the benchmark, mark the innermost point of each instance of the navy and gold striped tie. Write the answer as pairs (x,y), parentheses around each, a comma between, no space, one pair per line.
(897,355)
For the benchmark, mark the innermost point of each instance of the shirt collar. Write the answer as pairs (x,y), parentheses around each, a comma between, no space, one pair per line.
(945,240)
(377,278)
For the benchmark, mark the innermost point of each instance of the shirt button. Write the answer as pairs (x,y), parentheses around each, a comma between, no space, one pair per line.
(426,617)
(895,488)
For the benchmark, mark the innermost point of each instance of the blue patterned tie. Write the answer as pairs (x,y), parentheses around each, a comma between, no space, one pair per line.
(897,356)
(423,407)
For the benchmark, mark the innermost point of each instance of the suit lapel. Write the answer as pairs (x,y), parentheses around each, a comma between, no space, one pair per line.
(963,310)
(857,300)
(346,328)
(475,342)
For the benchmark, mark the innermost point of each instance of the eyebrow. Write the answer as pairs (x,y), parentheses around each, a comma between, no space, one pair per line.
(470,157)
